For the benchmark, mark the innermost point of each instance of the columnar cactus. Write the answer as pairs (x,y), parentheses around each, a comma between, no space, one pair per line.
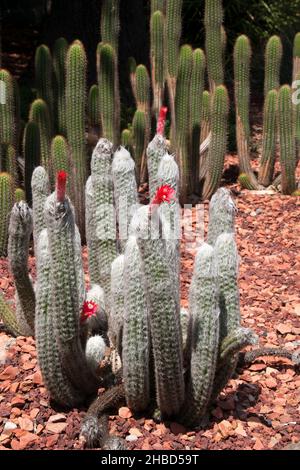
(196,95)
(217,148)
(273,57)
(60,51)
(117,309)
(126,139)
(8,317)
(60,157)
(222,212)
(269,139)
(110,23)
(140,129)
(7,111)
(287,141)
(213,42)
(11,163)
(44,76)
(39,113)
(142,81)
(93,107)
(157,58)
(296,56)
(20,195)
(90,230)
(40,191)
(136,334)
(6,203)
(75,110)
(205,129)
(31,152)
(156,149)
(182,121)
(157,5)
(242,57)
(20,230)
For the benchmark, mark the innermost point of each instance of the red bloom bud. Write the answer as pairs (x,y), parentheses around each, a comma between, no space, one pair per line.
(161,120)
(61,182)
(163,194)
(89,309)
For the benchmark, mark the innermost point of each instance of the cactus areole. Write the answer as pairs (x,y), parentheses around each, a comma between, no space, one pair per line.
(161,122)
(61,183)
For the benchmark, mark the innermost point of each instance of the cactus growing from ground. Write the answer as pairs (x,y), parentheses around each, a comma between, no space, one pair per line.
(286,139)
(157,59)
(11,163)
(44,77)
(182,126)
(39,113)
(273,57)
(61,160)
(213,42)
(60,50)
(242,57)
(75,111)
(269,138)
(6,203)
(31,152)
(117,309)
(217,148)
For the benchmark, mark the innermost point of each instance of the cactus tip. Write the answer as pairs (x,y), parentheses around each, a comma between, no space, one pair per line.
(162,120)
(61,182)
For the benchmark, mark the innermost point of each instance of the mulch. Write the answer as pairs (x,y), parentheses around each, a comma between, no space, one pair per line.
(260,407)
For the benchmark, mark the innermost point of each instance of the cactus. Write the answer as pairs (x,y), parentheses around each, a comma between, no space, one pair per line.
(6,203)
(213,42)
(273,57)
(182,126)
(117,309)
(157,5)
(217,148)
(40,191)
(222,212)
(132,69)
(172,38)
(164,314)
(136,334)
(297,124)
(142,81)
(126,139)
(157,59)
(8,317)
(75,110)
(11,163)
(196,95)
(109,99)
(44,76)
(287,141)
(31,152)
(269,139)
(60,50)
(205,336)
(296,56)
(104,217)
(156,149)
(93,107)
(39,113)
(125,191)
(20,195)
(90,230)
(110,23)
(61,160)
(205,129)
(7,111)
(140,130)
(242,57)
(95,351)
(20,230)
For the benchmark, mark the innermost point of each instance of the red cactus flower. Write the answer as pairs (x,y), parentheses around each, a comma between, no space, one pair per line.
(61,182)
(163,194)
(89,309)
(161,120)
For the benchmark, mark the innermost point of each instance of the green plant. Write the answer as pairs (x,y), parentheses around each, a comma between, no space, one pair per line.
(32,155)
(44,74)
(60,50)
(273,57)
(110,23)
(269,139)
(139,140)
(39,113)
(93,107)
(157,58)
(213,42)
(286,139)
(6,203)
(19,195)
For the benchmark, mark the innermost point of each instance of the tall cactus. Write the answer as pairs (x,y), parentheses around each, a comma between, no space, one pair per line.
(157,58)
(93,107)
(296,57)
(40,191)
(91,236)
(8,317)
(44,76)
(31,152)
(61,159)
(117,308)
(139,141)
(172,37)
(242,57)
(136,334)
(273,57)
(205,129)
(182,119)
(6,203)
(213,42)
(7,110)
(110,23)
(217,148)
(142,81)
(269,139)
(287,141)
(156,149)
(39,113)
(76,66)
(196,95)
(222,212)
(60,51)
(158,5)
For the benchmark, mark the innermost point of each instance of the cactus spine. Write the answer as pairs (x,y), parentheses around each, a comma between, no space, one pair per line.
(61,160)
(287,141)
(182,126)
(142,81)
(217,148)
(31,152)
(213,42)
(157,58)
(242,57)
(60,51)
(269,139)
(44,76)
(117,310)
(273,56)
(75,108)
(6,203)
(196,95)
(39,113)
(157,5)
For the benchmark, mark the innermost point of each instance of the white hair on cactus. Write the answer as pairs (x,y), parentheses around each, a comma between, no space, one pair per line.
(95,351)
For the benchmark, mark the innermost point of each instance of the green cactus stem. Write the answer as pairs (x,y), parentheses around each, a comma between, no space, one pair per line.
(217,148)
(286,139)
(39,113)
(296,57)
(158,5)
(267,163)
(44,74)
(40,191)
(205,130)
(213,42)
(61,160)
(93,107)
(273,57)
(157,58)
(20,195)
(110,23)
(76,66)
(60,51)
(156,149)
(8,317)
(126,139)
(32,156)
(117,311)
(140,131)
(222,212)
(132,69)
(7,111)
(11,164)
(6,204)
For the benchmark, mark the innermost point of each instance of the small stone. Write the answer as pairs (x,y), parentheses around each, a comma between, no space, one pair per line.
(34,412)
(18,402)
(131,438)
(125,412)
(58,418)
(135,432)
(258,444)
(9,426)
(25,423)
(9,373)
(26,439)
(56,428)
(225,428)
(271,382)
(51,440)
